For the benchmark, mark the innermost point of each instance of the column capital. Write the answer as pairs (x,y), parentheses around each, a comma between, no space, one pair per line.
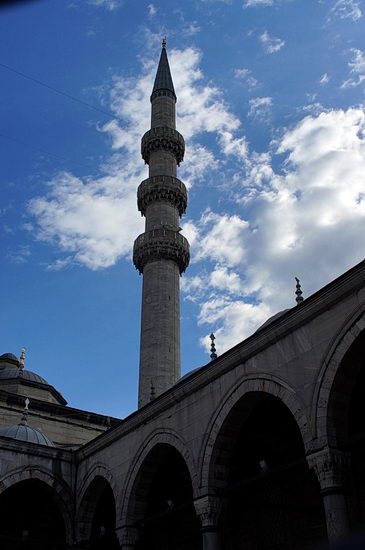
(208,508)
(329,465)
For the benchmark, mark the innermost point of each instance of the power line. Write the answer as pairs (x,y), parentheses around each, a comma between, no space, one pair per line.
(69,96)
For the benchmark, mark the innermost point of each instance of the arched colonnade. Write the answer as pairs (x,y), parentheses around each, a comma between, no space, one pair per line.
(265,476)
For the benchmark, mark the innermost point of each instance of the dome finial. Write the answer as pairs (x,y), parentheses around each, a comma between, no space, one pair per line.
(24,419)
(298,292)
(213,354)
(164,42)
(22,357)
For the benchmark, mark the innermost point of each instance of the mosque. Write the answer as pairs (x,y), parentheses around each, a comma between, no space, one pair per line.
(263,448)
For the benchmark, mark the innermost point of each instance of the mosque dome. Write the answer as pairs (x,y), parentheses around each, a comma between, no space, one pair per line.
(23,432)
(272,318)
(9,358)
(10,373)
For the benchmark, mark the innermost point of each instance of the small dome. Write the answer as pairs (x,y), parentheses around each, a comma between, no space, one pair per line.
(7,374)
(272,318)
(26,433)
(9,357)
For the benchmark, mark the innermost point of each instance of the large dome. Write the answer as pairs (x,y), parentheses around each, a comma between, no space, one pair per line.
(9,357)
(272,318)
(7,374)
(26,433)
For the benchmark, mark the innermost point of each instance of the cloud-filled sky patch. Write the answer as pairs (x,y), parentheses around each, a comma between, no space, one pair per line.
(274,163)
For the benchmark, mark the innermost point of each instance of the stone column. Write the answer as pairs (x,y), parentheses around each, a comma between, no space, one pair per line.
(128,537)
(328,465)
(208,509)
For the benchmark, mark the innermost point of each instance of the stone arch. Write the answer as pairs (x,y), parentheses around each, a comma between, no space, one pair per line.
(90,490)
(343,340)
(58,489)
(272,386)
(158,437)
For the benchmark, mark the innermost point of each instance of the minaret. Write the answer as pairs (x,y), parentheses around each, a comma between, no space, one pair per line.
(161,254)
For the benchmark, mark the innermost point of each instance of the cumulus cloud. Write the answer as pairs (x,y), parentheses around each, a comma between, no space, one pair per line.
(305,220)
(91,219)
(270,43)
(298,208)
(83,217)
(347,9)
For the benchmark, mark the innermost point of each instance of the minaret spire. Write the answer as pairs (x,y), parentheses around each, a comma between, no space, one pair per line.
(161,253)
(163,80)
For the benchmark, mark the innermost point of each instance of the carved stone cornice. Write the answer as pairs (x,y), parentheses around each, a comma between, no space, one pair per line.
(329,466)
(162,188)
(161,244)
(163,138)
(208,509)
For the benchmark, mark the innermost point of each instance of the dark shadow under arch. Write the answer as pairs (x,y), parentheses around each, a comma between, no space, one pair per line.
(31,518)
(346,425)
(161,502)
(98,516)
(259,469)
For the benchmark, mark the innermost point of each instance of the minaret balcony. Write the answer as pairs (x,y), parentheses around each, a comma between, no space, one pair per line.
(162,189)
(165,139)
(161,244)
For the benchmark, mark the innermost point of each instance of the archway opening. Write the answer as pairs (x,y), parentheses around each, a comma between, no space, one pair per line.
(31,518)
(346,426)
(259,468)
(99,516)
(162,503)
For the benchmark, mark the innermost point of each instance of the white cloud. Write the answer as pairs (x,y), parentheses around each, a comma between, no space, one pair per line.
(152,10)
(221,238)
(270,43)
(235,318)
(245,76)
(224,279)
(353,82)
(110,5)
(191,29)
(253,3)
(307,221)
(89,219)
(83,217)
(305,218)
(357,66)
(324,79)
(19,255)
(347,9)
(260,107)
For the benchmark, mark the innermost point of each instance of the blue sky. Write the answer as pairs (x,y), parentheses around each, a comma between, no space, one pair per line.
(271,104)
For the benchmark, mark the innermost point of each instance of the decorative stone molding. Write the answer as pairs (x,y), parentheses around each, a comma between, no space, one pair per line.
(163,138)
(329,466)
(162,188)
(208,509)
(160,93)
(161,244)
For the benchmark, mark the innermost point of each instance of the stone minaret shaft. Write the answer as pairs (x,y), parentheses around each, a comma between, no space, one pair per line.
(161,253)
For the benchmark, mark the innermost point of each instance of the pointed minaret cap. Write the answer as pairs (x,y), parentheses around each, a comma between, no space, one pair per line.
(163,80)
